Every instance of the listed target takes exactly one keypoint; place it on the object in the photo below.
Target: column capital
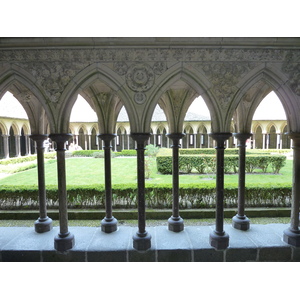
(39, 139)
(220, 138)
(295, 136)
(107, 137)
(242, 138)
(60, 139)
(140, 138)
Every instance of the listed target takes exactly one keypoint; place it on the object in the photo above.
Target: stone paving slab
(259, 243)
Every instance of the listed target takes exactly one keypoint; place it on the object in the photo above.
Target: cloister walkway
(259, 243)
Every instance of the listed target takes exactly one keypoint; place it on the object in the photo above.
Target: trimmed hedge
(206, 151)
(207, 163)
(157, 196)
(22, 159)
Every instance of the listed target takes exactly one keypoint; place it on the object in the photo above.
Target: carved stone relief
(291, 66)
(224, 77)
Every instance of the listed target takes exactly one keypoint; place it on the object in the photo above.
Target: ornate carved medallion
(140, 77)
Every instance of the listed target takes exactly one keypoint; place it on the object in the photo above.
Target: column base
(219, 242)
(175, 224)
(291, 237)
(64, 242)
(109, 225)
(142, 241)
(240, 222)
(43, 225)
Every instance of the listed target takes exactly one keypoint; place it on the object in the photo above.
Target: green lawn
(89, 171)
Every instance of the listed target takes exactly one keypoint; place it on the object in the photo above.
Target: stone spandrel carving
(224, 77)
(53, 77)
(291, 67)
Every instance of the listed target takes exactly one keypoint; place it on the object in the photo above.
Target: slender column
(240, 221)
(292, 234)
(219, 239)
(142, 239)
(6, 146)
(43, 223)
(175, 222)
(18, 145)
(109, 223)
(64, 240)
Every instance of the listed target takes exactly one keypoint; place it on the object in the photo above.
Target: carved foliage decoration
(224, 76)
(291, 66)
(53, 77)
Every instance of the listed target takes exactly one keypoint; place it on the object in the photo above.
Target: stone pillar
(109, 223)
(175, 222)
(264, 141)
(142, 239)
(18, 145)
(43, 223)
(6, 146)
(219, 239)
(292, 234)
(65, 240)
(240, 221)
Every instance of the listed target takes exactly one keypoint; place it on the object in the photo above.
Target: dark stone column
(240, 221)
(109, 223)
(142, 239)
(219, 239)
(43, 223)
(64, 240)
(292, 234)
(175, 222)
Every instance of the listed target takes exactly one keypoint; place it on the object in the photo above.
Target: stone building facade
(232, 75)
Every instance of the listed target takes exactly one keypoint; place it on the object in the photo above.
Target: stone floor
(259, 243)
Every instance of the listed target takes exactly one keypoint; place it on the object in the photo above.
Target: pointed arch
(86, 78)
(24, 88)
(254, 87)
(194, 80)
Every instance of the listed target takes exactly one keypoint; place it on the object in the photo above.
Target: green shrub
(277, 162)
(156, 196)
(84, 153)
(98, 154)
(127, 153)
(207, 163)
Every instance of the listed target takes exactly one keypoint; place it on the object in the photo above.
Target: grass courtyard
(90, 171)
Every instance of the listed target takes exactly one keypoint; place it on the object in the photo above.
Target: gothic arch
(22, 85)
(194, 80)
(95, 73)
(262, 81)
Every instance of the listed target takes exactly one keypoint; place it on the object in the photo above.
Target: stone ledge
(259, 243)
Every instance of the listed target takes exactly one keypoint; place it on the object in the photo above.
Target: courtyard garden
(266, 184)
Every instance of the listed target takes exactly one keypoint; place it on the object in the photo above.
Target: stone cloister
(232, 75)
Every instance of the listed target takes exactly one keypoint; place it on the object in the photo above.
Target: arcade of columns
(231, 74)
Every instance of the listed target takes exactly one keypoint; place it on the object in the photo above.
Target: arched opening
(197, 115)
(12, 143)
(94, 140)
(188, 140)
(23, 140)
(258, 138)
(12, 112)
(84, 116)
(123, 136)
(286, 141)
(269, 114)
(82, 143)
(159, 121)
(272, 138)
